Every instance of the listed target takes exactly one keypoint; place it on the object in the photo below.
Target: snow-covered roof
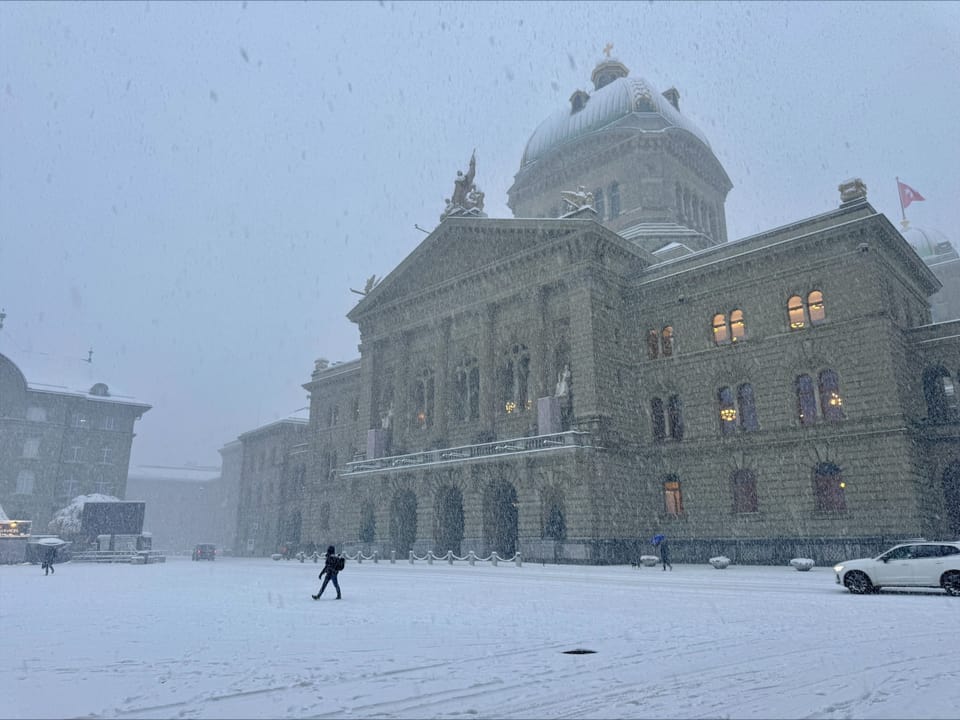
(623, 97)
(930, 244)
(45, 372)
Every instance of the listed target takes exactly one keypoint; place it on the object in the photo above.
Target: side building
(63, 433)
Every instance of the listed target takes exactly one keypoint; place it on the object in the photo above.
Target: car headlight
(838, 569)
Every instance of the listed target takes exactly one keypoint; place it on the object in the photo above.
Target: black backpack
(341, 562)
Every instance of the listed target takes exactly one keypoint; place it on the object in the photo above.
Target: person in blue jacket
(660, 541)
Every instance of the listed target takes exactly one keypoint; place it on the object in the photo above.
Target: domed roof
(927, 243)
(623, 97)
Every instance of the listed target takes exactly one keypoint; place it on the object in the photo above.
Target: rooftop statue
(577, 200)
(467, 198)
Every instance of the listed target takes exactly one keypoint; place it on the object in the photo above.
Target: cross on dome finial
(607, 48)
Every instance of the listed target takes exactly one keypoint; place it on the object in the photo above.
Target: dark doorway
(500, 517)
(449, 520)
(403, 521)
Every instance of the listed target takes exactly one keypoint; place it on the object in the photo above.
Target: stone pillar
(582, 351)
(488, 370)
(443, 403)
(548, 415)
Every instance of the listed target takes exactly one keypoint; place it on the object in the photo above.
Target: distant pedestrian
(660, 542)
(332, 565)
(49, 555)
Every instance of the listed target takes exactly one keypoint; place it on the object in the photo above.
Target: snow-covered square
(242, 638)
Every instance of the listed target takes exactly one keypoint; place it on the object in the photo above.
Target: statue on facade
(372, 282)
(467, 199)
(563, 383)
(577, 200)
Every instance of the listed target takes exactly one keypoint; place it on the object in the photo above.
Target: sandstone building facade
(568, 386)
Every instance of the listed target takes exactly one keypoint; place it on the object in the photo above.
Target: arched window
(675, 415)
(806, 400)
(515, 375)
(831, 403)
(728, 411)
(672, 496)
(658, 420)
(940, 394)
(829, 488)
(721, 334)
(815, 307)
(738, 328)
(667, 337)
(744, 486)
(423, 396)
(614, 200)
(748, 408)
(653, 345)
(467, 389)
(796, 313)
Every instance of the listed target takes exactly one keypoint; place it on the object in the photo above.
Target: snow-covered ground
(242, 638)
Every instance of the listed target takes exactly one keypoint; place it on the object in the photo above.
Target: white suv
(915, 564)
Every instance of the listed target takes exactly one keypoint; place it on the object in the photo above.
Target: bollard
(376, 557)
(450, 557)
(519, 560)
(429, 557)
(411, 557)
(393, 556)
(472, 557)
(493, 558)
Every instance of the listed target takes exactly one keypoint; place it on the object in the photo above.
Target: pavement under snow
(242, 638)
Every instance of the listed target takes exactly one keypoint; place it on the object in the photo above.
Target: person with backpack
(332, 565)
(660, 541)
(49, 555)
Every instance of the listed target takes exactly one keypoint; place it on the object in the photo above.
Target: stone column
(488, 369)
(442, 401)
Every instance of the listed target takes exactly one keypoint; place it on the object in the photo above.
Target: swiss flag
(907, 195)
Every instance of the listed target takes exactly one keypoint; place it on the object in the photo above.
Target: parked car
(205, 551)
(914, 564)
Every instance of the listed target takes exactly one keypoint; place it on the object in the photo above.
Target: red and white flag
(907, 195)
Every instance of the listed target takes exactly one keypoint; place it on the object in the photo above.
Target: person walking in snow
(660, 542)
(331, 568)
(49, 555)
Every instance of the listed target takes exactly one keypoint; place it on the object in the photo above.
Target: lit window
(667, 336)
(738, 329)
(423, 396)
(515, 375)
(79, 420)
(815, 306)
(829, 488)
(796, 313)
(831, 403)
(721, 334)
(806, 400)
(728, 411)
(672, 497)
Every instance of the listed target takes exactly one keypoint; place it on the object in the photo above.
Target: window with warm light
(672, 496)
(728, 411)
(831, 402)
(815, 307)
(515, 374)
(796, 313)
(738, 328)
(721, 333)
(423, 398)
(829, 488)
(666, 336)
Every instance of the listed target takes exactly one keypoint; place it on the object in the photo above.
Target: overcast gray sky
(191, 189)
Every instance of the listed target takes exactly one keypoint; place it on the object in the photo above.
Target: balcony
(465, 453)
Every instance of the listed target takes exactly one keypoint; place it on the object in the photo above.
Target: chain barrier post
(519, 560)
(471, 557)
(393, 557)
(450, 557)
(411, 557)
(493, 558)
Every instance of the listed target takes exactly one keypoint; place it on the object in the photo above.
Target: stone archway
(448, 525)
(951, 496)
(500, 517)
(403, 521)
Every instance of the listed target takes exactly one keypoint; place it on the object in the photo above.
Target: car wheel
(951, 583)
(857, 582)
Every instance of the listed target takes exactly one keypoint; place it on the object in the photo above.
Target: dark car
(205, 551)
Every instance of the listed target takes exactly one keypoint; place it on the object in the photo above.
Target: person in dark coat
(660, 541)
(330, 570)
(49, 555)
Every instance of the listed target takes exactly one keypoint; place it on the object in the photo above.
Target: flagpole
(904, 222)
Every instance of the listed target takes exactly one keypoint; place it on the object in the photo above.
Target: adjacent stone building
(567, 384)
(63, 433)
